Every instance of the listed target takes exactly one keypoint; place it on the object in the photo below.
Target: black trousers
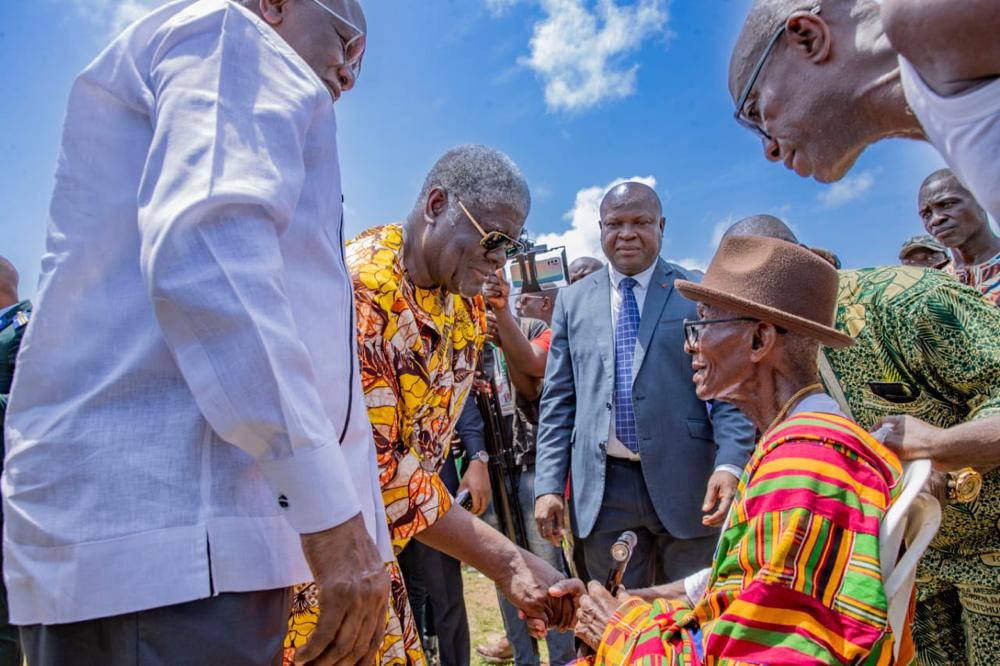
(659, 557)
(434, 585)
(246, 628)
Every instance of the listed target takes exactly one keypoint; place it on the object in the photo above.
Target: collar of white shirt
(642, 278)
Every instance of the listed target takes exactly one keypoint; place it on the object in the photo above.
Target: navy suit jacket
(680, 445)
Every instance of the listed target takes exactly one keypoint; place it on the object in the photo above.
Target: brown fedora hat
(773, 281)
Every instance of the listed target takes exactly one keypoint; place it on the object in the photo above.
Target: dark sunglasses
(492, 240)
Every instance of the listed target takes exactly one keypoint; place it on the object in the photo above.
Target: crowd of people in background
(245, 444)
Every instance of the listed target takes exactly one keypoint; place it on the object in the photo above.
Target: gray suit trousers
(246, 628)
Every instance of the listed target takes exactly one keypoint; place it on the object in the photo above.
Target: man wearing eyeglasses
(191, 374)
(820, 81)
(420, 326)
(928, 347)
(619, 411)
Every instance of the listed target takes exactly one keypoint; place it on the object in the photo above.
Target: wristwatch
(964, 485)
(482, 457)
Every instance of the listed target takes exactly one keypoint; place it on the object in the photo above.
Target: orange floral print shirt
(418, 350)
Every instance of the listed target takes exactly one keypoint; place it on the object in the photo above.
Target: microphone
(621, 553)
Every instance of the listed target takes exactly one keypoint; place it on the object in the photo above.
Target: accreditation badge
(504, 389)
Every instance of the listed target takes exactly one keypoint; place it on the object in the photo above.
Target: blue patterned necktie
(626, 329)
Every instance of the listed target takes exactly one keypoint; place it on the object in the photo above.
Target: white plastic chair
(912, 519)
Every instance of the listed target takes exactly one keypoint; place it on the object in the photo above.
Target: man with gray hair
(421, 325)
(189, 373)
(819, 82)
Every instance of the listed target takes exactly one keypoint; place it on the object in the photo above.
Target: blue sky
(579, 93)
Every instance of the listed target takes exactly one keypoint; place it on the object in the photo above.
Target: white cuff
(313, 488)
(696, 584)
(732, 469)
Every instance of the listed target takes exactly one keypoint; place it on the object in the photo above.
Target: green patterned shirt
(921, 327)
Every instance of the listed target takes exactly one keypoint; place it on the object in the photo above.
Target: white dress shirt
(187, 398)
(696, 584)
(616, 449)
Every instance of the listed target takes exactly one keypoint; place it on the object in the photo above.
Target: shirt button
(282, 501)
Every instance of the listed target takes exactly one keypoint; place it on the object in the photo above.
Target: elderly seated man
(796, 577)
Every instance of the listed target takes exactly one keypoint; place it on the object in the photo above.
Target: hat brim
(828, 336)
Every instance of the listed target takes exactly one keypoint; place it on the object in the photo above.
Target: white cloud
(114, 15)
(578, 53)
(500, 7)
(691, 263)
(719, 229)
(847, 190)
(583, 238)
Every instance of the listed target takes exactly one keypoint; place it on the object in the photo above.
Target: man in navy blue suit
(619, 413)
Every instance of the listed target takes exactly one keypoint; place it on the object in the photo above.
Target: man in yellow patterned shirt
(421, 325)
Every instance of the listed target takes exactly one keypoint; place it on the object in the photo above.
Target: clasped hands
(586, 609)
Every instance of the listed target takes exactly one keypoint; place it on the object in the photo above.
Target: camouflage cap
(921, 240)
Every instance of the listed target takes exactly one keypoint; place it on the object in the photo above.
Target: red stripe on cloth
(828, 507)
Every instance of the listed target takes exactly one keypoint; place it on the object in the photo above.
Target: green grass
(481, 605)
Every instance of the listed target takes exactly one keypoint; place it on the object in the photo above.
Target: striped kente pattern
(796, 577)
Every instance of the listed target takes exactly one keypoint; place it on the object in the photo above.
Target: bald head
(582, 267)
(767, 226)
(632, 194)
(767, 16)
(8, 283)
(942, 176)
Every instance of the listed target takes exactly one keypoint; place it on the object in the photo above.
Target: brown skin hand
(952, 43)
(441, 246)
(631, 227)
(951, 214)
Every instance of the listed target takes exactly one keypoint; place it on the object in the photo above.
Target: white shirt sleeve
(696, 584)
(221, 182)
(732, 469)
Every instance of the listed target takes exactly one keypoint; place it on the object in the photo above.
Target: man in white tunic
(187, 435)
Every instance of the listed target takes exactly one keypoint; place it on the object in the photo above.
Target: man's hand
(570, 590)
(496, 291)
(527, 585)
(594, 614)
(721, 491)
(477, 480)
(909, 437)
(937, 486)
(353, 595)
(549, 510)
